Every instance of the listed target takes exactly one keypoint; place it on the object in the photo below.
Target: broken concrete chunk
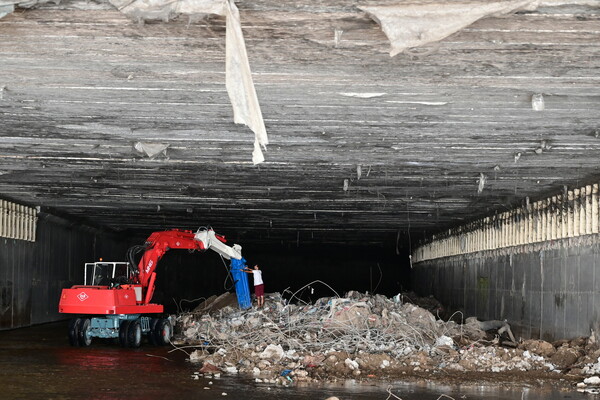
(208, 368)
(272, 352)
(592, 380)
(444, 341)
(539, 347)
(564, 357)
(351, 364)
(195, 356)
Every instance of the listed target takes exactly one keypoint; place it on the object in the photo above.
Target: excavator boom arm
(158, 243)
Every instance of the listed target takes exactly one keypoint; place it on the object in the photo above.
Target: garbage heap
(358, 335)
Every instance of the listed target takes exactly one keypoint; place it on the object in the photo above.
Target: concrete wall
(549, 292)
(32, 274)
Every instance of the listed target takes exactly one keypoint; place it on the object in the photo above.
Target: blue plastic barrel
(242, 289)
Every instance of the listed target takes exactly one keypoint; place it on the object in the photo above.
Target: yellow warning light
(100, 258)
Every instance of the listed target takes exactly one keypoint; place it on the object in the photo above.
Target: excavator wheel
(134, 334)
(123, 329)
(151, 335)
(163, 332)
(84, 332)
(74, 331)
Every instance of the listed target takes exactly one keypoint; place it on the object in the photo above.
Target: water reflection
(37, 363)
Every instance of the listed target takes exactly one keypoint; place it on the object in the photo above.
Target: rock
(467, 365)
(196, 356)
(347, 314)
(313, 361)
(539, 347)
(455, 367)
(351, 364)
(576, 371)
(208, 368)
(300, 373)
(593, 380)
(221, 351)
(444, 341)
(272, 352)
(564, 357)
(422, 358)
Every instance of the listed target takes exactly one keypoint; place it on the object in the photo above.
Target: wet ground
(38, 363)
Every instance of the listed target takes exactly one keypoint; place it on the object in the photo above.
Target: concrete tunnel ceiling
(128, 125)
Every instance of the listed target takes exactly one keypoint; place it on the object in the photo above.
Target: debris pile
(360, 335)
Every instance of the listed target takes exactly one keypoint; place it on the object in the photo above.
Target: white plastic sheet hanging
(416, 23)
(240, 86)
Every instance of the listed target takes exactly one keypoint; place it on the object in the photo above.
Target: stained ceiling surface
(128, 125)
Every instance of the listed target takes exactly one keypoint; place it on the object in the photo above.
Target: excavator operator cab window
(107, 273)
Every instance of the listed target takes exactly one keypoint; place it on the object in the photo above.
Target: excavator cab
(107, 274)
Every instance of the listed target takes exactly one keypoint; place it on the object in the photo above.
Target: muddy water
(37, 363)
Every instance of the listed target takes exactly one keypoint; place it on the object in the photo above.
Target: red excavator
(115, 296)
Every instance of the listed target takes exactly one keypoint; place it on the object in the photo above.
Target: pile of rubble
(362, 336)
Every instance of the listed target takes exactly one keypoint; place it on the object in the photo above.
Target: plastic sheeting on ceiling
(240, 87)
(416, 23)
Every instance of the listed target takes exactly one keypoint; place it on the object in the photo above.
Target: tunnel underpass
(444, 149)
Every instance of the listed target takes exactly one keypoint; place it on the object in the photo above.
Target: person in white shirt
(259, 286)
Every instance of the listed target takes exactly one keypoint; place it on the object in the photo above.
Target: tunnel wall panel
(32, 274)
(548, 293)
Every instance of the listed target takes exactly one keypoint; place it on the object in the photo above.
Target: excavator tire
(134, 334)
(163, 332)
(84, 327)
(74, 331)
(123, 329)
(151, 335)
